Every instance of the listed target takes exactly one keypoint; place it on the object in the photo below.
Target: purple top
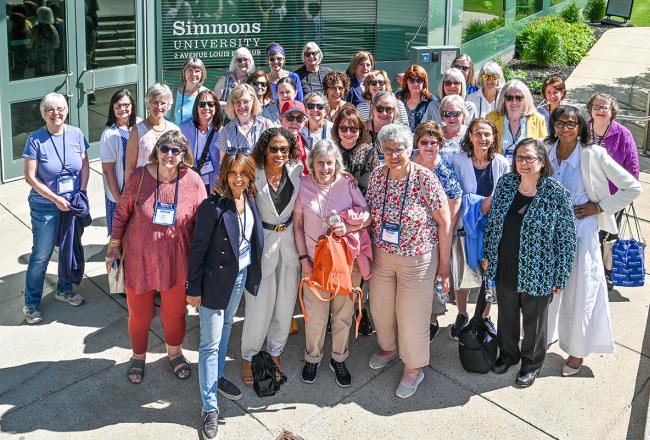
(620, 145)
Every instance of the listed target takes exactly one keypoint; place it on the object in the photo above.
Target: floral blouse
(419, 231)
(448, 180)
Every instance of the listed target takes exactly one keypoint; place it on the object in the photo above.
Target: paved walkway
(66, 377)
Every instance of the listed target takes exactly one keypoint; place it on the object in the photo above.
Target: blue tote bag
(628, 268)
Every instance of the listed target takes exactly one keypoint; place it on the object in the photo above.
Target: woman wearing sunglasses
(193, 76)
(202, 133)
(415, 94)
(515, 117)
(260, 82)
(294, 119)
(268, 315)
(285, 92)
(317, 127)
(452, 83)
(463, 62)
(530, 242)
(241, 65)
(275, 55)
(490, 81)
(152, 229)
(453, 114)
(378, 81)
(311, 73)
(384, 112)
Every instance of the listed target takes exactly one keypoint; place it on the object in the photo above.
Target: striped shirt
(231, 136)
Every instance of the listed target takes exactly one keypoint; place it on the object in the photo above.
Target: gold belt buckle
(280, 228)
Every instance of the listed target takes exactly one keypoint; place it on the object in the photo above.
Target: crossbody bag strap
(206, 150)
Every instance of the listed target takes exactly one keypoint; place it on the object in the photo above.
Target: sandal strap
(178, 361)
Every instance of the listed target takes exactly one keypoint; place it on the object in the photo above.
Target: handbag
(116, 271)
(464, 277)
(477, 344)
(264, 371)
(628, 268)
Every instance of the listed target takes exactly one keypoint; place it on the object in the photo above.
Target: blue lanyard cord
(178, 177)
(406, 190)
(63, 167)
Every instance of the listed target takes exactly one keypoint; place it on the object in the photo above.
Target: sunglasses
(231, 151)
(204, 104)
(315, 106)
(281, 150)
(274, 59)
(166, 149)
(376, 82)
(294, 118)
(452, 83)
(493, 77)
(527, 159)
(517, 98)
(259, 84)
(459, 67)
(415, 80)
(569, 124)
(386, 110)
(347, 128)
(311, 54)
(454, 113)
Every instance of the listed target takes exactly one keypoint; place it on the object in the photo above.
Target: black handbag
(264, 368)
(477, 345)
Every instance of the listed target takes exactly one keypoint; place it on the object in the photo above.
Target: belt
(277, 228)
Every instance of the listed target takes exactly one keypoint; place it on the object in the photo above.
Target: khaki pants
(318, 311)
(401, 297)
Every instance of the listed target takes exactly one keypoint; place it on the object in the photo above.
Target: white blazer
(462, 165)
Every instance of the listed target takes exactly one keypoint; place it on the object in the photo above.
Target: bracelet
(303, 257)
(115, 241)
(598, 208)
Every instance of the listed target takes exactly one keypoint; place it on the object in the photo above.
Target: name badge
(390, 233)
(164, 214)
(208, 166)
(244, 256)
(64, 184)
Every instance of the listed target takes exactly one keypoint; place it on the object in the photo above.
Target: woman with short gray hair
(384, 112)
(241, 66)
(311, 73)
(454, 115)
(411, 248)
(147, 132)
(452, 83)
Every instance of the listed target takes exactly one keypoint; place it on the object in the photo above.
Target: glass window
(26, 118)
(481, 17)
(98, 106)
(37, 42)
(528, 7)
(110, 34)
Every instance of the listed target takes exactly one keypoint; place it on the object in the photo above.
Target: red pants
(172, 315)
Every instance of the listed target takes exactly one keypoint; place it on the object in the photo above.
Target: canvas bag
(628, 265)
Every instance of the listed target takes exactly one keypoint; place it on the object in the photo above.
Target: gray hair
(52, 100)
(398, 133)
(454, 74)
(310, 95)
(315, 47)
(491, 68)
(156, 91)
(457, 101)
(528, 104)
(385, 94)
(241, 52)
(322, 148)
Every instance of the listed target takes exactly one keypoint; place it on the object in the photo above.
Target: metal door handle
(89, 92)
(68, 93)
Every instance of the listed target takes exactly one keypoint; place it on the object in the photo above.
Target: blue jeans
(216, 326)
(45, 228)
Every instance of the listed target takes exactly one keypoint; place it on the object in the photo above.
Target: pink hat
(293, 106)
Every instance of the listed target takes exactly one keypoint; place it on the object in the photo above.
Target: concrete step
(115, 42)
(116, 34)
(112, 61)
(115, 51)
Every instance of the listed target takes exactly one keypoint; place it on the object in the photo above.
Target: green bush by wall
(594, 10)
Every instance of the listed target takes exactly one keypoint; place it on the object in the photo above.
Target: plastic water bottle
(443, 297)
(490, 291)
(334, 218)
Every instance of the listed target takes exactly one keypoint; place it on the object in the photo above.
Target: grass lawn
(492, 7)
(641, 13)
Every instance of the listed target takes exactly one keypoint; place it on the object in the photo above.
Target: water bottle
(334, 218)
(490, 291)
(443, 297)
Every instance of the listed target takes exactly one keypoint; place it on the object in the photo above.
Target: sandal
(280, 377)
(136, 369)
(247, 373)
(180, 367)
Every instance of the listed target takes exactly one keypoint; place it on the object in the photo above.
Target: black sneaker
(365, 325)
(343, 378)
(461, 322)
(490, 326)
(210, 424)
(228, 389)
(434, 327)
(309, 372)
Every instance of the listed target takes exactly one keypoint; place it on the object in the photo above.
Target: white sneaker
(404, 390)
(72, 298)
(32, 316)
(377, 362)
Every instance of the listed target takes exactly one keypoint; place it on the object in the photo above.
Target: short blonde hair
(191, 63)
(52, 100)
(373, 74)
(452, 74)
(237, 94)
(529, 105)
(158, 90)
(457, 101)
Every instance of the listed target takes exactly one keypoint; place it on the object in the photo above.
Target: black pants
(534, 310)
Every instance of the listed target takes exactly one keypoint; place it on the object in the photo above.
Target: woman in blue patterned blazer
(530, 243)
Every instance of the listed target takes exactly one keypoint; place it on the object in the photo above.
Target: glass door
(83, 49)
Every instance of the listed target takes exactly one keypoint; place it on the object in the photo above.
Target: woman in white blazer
(579, 317)
(268, 315)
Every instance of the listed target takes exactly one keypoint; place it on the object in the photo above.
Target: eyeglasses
(604, 108)
(415, 80)
(276, 59)
(527, 159)
(454, 113)
(126, 105)
(242, 60)
(459, 67)
(311, 106)
(294, 118)
(452, 83)
(517, 98)
(393, 151)
(56, 109)
(386, 110)
(493, 77)
(311, 54)
(422, 143)
(166, 149)
(204, 104)
(568, 124)
(377, 82)
(281, 150)
(348, 128)
(259, 84)
(231, 151)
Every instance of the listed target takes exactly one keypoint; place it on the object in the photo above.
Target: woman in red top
(153, 224)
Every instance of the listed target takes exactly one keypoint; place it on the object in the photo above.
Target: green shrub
(594, 10)
(571, 13)
(535, 87)
(476, 28)
(544, 47)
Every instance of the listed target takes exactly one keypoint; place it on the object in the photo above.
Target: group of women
(228, 198)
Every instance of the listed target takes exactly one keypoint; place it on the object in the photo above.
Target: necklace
(327, 203)
(153, 127)
(274, 179)
(525, 191)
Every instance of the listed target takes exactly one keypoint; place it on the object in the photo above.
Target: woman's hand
(340, 229)
(443, 271)
(62, 204)
(586, 209)
(114, 253)
(485, 205)
(194, 301)
(485, 264)
(353, 180)
(307, 268)
(556, 290)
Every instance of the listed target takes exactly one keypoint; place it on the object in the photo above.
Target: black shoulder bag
(477, 345)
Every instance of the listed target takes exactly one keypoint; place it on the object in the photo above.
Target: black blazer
(214, 252)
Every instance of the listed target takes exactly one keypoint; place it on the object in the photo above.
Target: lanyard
(242, 225)
(178, 177)
(406, 190)
(207, 141)
(182, 104)
(63, 167)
